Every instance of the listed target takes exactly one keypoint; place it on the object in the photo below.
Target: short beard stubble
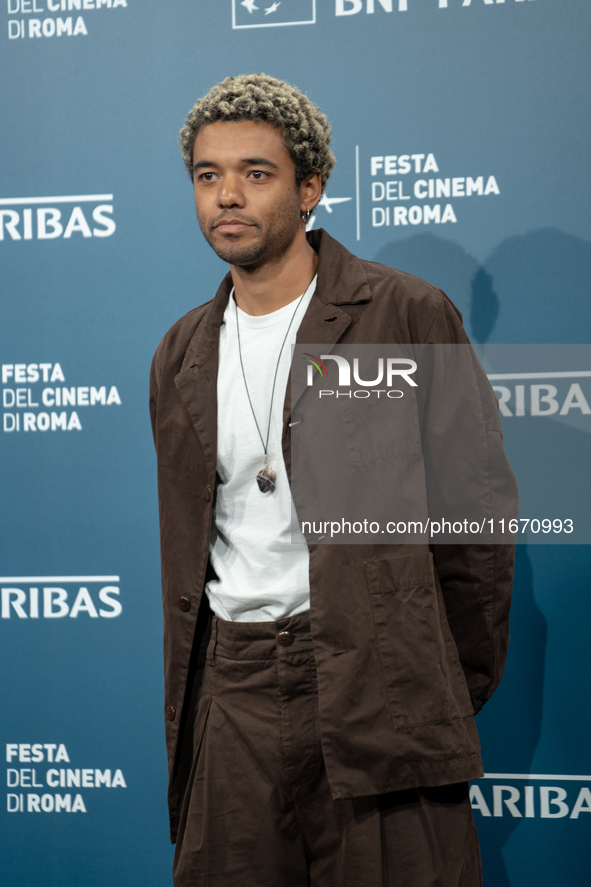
(270, 246)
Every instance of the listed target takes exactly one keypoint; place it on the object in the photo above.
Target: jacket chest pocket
(380, 427)
(421, 667)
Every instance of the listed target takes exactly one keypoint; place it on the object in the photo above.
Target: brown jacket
(409, 640)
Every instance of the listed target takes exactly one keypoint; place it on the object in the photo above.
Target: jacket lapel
(324, 324)
(197, 381)
(341, 281)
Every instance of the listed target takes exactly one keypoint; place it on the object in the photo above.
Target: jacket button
(184, 604)
(285, 638)
(208, 493)
(171, 713)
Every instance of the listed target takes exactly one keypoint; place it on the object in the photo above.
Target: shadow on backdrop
(484, 306)
(542, 282)
(510, 724)
(441, 262)
(532, 288)
(528, 290)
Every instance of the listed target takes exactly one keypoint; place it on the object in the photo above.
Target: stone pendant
(266, 480)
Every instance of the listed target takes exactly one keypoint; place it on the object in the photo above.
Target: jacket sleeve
(476, 579)
(476, 582)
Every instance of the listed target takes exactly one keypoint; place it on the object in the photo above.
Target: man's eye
(207, 176)
(258, 174)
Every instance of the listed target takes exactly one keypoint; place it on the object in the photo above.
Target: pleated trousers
(258, 811)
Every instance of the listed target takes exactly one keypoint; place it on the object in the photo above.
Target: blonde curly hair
(258, 97)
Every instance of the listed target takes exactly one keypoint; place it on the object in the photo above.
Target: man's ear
(310, 191)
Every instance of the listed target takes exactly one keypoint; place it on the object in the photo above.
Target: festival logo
(34, 398)
(37, 19)
(54, 783)
(411, 189)
(405, 191)
(272, 13)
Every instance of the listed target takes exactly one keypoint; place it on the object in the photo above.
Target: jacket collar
(341, 277)
(342, 281)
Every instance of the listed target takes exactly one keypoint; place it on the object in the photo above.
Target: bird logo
(270, 13)
(250, 6)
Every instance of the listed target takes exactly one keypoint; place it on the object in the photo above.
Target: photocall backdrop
(461, 136)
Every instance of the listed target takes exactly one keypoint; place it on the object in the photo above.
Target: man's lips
(232, 226)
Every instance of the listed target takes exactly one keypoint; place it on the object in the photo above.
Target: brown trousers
(258, 811)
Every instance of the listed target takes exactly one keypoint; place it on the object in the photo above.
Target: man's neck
(272, 286)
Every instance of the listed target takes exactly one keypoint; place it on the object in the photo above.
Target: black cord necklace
(266, 478)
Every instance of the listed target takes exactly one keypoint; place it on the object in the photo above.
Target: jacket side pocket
(421, 667)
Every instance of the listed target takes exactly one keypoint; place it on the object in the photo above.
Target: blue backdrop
(461, 135)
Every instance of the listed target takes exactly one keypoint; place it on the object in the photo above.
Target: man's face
(247, 202)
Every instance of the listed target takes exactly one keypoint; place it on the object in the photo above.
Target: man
(319, 698)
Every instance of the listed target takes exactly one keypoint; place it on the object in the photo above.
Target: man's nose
(230, 194)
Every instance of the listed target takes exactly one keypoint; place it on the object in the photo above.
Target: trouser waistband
(260, 640)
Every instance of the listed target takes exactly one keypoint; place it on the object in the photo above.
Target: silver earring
(306, 216)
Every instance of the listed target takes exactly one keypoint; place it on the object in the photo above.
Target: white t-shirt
(263, 575)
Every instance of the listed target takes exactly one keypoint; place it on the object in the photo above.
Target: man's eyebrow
(248, 161)
(259, 161)
(201, 164)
